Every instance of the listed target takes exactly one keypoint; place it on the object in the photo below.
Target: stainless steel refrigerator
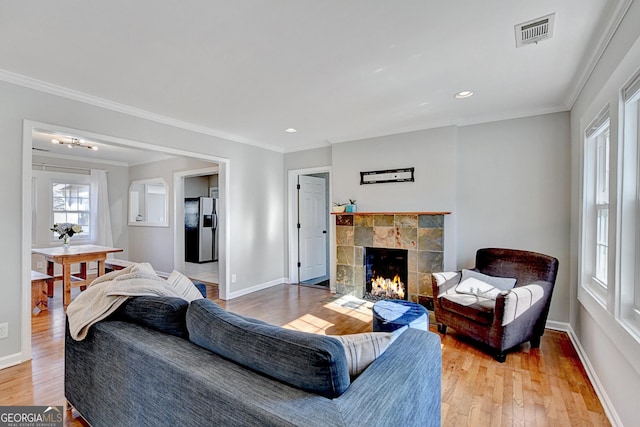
(200, 229)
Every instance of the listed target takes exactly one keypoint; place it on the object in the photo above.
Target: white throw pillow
(183, 286)
(363, 349)
(478, 288)
(482, 285)
(502, 283)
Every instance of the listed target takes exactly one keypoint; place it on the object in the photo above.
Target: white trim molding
(256, 288)
(13, 359)
(609, 409)
(620, 10)
(557, 326)
(42, 86)
(292, 203)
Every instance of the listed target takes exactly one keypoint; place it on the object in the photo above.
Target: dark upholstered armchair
(503, 316)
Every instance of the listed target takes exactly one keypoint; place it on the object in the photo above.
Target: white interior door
(312, 231)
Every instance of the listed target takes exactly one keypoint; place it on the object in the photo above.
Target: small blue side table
(389, 315)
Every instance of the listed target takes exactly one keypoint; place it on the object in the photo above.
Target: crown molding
(42, 86)
(602, 43)
(476, 120)
(321, 144)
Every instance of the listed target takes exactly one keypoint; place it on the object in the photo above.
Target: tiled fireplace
(420, 234)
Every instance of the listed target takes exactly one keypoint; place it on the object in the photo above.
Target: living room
(510, 180)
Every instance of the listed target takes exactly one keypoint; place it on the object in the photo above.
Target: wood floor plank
(534, 387)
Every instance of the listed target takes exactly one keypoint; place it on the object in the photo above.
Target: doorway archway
(29, 127)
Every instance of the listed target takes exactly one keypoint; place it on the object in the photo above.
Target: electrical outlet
(4, 330)
(233, 278)
(39, 264)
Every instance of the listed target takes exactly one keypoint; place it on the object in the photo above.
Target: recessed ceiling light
(291, 130)
(463, 94)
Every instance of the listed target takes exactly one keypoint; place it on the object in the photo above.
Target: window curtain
(101, 232)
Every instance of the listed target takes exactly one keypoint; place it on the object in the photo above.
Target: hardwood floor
(535, 387)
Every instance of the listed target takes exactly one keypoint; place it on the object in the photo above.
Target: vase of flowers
(65, 231)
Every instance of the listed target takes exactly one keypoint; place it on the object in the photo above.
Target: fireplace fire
(386, 273)
(387, 288)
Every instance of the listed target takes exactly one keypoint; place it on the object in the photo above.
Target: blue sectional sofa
(161, 361)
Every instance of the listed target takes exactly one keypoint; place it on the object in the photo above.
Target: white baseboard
(12, 360)
(557, 326)
(609, 409)
(255, 288)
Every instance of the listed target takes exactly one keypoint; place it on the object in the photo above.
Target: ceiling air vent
(531, 32)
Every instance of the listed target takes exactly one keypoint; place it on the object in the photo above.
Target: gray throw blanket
(108, 292)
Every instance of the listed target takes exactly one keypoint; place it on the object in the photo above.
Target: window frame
(85, 236)
(628, 264)
(597, 137)
(601, 204)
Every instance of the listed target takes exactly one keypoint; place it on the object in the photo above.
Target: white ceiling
(336, 70)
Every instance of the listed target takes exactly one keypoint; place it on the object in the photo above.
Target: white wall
(433, 154)
(612, 352)
(197, 186)
(317, 157)
(514, 190)
(255, 177)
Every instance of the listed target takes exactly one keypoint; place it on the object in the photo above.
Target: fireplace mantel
(420, 233)
(390, 213)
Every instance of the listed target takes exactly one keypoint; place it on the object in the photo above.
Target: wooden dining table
(68, 256)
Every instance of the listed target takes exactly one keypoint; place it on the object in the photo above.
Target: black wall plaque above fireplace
(386, 273)
(388, 175)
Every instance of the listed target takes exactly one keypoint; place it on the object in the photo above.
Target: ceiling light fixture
(73, 143)
(291, 130)
(463, 94)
